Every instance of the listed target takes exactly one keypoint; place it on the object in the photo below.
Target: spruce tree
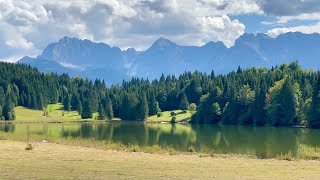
(67, 103)
(314, 113)
(79, 106)
(109, 110)
(184, 104)
(1, 115)
(8, 109)
(143, 108)
(154, 106)
(74, 102)
(2, 96)
(86, 110)
(101, 113)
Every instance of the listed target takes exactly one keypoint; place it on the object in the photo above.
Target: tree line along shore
(285, 95)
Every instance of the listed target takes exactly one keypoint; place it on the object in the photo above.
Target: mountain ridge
(99, 60)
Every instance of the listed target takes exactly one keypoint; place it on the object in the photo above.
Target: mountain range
(98, 60)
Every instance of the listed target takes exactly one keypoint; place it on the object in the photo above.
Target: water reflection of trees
(7, 128)
(166, 135)
(259, 141)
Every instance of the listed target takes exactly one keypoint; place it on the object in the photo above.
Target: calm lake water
(259, 141)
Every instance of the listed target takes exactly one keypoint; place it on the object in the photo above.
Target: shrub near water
(288, 156)
(309, 153)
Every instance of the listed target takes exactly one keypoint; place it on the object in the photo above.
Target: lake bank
(58, 161)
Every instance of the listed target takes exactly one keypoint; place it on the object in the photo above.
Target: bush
(192, 107)
(287, 157)
(159, 114)
(173, 113)
(309, 152)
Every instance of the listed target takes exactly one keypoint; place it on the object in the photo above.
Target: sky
(28, 26)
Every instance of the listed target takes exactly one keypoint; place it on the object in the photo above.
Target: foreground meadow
(56, 161)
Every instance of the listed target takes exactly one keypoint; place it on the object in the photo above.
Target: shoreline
(127, 121)
(305, 152)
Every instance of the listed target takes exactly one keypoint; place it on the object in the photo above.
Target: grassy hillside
(55, 113)
(166, 116)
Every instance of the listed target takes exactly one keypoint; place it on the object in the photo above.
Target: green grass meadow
(166, 116)
(55, 113)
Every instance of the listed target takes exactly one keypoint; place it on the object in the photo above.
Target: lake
(259, 141)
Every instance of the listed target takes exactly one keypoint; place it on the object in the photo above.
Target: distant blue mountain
(98, 60)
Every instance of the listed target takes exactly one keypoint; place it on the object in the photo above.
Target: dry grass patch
(56, 161)
(308, 152)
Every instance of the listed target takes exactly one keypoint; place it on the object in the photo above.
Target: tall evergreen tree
(153, 106)
(79, 107)
(86, 110)
(67, 103)
(314, 113)
(143, 109)
(8, 109)
(101, 113)
(184, 104)
(109, 110)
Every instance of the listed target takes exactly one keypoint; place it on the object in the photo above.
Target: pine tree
(154, 106)
(67, 103)
(86, 110)
(314, 113)
(184, 104)
(74, 102)
(1, 115)
(2, 96)
(40, 102)
(8, 109)
(101, 113)
(109, 110)
(129, 110)
(79, 107)
(143, 108)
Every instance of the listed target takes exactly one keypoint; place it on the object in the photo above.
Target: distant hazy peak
(215, 44)
(163, 43)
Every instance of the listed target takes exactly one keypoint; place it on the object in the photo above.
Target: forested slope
(282, 96)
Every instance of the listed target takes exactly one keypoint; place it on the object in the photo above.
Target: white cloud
(26, 27)
(19, 44)
(304, 16)
(221, 29)
(315, 28)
